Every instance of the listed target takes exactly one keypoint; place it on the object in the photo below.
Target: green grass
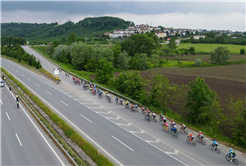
(207, 48)
(69, 131)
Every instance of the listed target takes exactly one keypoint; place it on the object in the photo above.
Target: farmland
(207, 48)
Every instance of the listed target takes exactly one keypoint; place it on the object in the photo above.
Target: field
(207, 48)
(204, 57)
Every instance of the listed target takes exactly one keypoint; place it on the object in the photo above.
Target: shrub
(198, 62)
(167, 50)
(242, 51)
(162, 61)
(49, 48)
(151, 66)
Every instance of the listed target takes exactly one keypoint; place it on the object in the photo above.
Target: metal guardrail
(103, 88)
(41, 122)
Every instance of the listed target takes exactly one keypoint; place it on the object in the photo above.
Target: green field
(207, 48)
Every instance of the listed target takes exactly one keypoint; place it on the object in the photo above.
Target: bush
(151, 66)
(167, 50)
(198, 62)
(242, 51)
(49, 48)
(162, 61)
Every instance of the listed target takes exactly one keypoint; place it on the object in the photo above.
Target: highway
(23, 141)
(110, 127)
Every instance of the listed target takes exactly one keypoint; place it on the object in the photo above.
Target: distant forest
(85, 28)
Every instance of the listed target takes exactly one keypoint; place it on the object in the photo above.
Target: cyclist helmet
(230, 149)
(149, 111)
(214, 140)
(190, 132)
(200, 132)
(174, 126)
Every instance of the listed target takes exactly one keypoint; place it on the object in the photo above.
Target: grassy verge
(68, 131)
(25, 64)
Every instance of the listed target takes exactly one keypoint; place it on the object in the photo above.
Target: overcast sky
(182, 14)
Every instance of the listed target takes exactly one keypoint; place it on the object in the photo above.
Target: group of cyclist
(148, 115)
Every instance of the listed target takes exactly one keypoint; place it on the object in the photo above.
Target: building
(197, 37)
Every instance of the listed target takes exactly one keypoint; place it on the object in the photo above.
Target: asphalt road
(23, 142)
(143, 133)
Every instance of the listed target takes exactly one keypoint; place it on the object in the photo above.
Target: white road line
(7, 116)
(64, 103)
(113, 118)
(29, 79)
(1, 102)
(38, 85)
(69, 122)
(48, 92)
(37, 127)
(86, 118)
(22, 75)
(120, 124)
(17, 71)
(104, 112)
(123, 143)
(18, 139)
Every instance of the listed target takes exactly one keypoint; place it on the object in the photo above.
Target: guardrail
(44, 126)
(101, 87)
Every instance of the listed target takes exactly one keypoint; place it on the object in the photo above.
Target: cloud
(227, 21)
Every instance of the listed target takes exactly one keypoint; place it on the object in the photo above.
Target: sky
(193, 14)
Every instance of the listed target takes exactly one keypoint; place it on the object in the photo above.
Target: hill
(48, 32)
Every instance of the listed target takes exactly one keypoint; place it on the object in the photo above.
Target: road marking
(35, 125)
(38, 85)
(49, 92)
(18, 139)
(104, 112)
(113, 118)
(86, 118)
(29, 79)
(7, 116)
(1, 102)
(64, 103)
(120, 124)
(175, 152)
(69, 122)
(22, 75)
(17, 71)
(123, 143)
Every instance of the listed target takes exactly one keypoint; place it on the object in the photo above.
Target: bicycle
(165, 128)
(190, 142)
(109, 99)
(126, 106)
(202, 141)
(183, 131)
(175, 135)
(228, 158)
(133, 110)
(216, 149)
(154, 119)
(147, 118)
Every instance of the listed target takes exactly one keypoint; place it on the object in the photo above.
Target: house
(197, 37)
(234, 37)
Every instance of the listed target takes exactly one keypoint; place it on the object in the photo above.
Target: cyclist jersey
(214, 142)
(174, 129)
(190, 135)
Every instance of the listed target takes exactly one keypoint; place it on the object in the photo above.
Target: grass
(207, 48)
(68, 131)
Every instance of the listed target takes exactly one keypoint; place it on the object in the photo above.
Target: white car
(2, 83)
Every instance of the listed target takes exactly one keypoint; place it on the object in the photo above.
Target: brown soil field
(204, 57)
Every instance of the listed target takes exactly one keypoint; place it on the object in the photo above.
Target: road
(23, 140)
(145, 134)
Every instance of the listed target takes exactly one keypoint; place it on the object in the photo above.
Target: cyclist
(153, 116)
(17, 98)
(200, 135)
(191, 137)
(172, 123)
(183, 127)
(174, 130)
(107, 96)
(126, 103)
(121, 100)
(90, 89)
(116, 99)
(232, 154)
(165, 125)
(109, 99)
(17, 104)
(215, 144)
(147, 114)
(132, 106)
(143, 109)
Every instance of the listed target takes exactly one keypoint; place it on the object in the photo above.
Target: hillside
(48, 32)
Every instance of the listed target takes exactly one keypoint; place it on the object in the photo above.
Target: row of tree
(6, 40)
(17, 52)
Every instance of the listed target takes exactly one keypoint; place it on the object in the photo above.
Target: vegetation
(220, 55)
(8, 40)
(242, 51)
(45, 33)
(18, 53)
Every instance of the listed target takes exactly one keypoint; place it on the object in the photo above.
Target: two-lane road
(23, 140)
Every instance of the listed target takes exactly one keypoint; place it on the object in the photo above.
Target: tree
(116, 49)
(49, 48)
(55, 43)
(108, 54)
(220, 55)
(162, 90)
(63, 40)
(192, 50)
(123, 60)
(138, 43)
(71, 38)
(242, 51)
(199, 101)
(80, 55)
(105, 71)
(155, 59)
(142, 61)
(219, 39)
(58, 52)
(172, 43)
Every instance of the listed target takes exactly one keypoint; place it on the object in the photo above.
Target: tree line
(17, 52)
(12, 40)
